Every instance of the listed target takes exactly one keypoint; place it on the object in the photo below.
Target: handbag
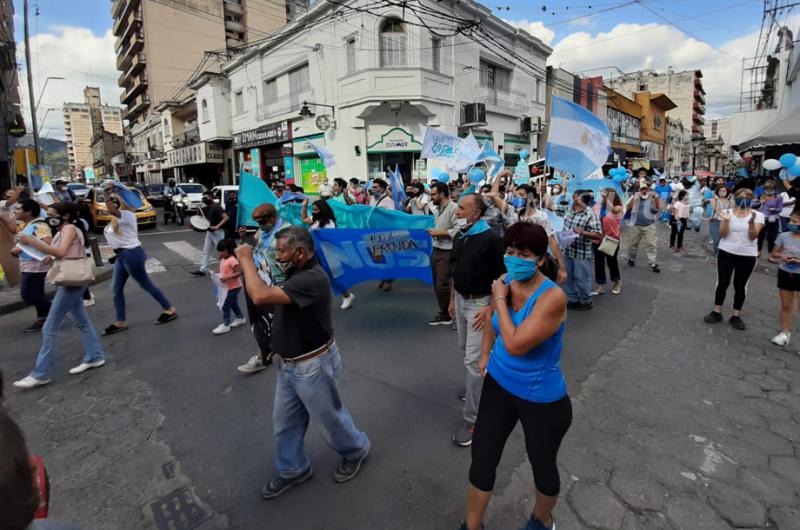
(609, 245)
(71, 272)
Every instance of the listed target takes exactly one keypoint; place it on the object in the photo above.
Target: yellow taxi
(145, 214)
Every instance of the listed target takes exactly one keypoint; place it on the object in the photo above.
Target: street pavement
(677, 424)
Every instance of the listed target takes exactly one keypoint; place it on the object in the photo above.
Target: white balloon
(771, 164)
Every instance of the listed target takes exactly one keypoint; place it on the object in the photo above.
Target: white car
(190, 197)
(221, 193)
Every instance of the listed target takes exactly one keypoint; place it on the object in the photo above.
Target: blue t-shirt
(663, 192)
(535, 376)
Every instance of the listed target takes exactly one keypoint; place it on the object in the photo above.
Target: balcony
(234, 7)
(699, 96)
(699, 107)
(510, 99)
(136, 108)
(137, 63)
(233, 25)
(134, 24)
(187, 137)
(139, 85)
(126, 54)
(290, 103)
(231, 42)
(698, 119)
(405, 83)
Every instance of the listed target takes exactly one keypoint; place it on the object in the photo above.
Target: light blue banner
(352, 256)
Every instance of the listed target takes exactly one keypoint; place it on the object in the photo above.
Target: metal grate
(178, 511)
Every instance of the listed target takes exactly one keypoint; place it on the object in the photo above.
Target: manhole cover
(178, 511)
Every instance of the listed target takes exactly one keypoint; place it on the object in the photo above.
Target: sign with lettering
(395, 139)
(268, 134)
(199, 153)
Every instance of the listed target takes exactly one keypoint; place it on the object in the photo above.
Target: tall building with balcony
(11, 122)
(685, 89)
(160, 42)
(82, 121)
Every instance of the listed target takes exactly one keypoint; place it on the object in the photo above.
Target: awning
(782, 132)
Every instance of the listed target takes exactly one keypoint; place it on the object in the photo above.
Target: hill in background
(55, 152)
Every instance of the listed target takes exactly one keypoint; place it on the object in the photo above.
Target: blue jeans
(713, 229)
(31, 290)
(310, 388)
(579, 279)
(231, 304)
(68, 300)
(130, 263)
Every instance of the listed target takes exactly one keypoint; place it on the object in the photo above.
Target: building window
(350, 47)
(204, 110)
(495, 77)
(393, 44)
(538, 90)
(270, 90)
(657, 122)
(713, 129)
(238, 102)
(299, 84)
(642, 88)
(436, 54)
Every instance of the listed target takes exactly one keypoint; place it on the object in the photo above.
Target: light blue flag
(578, 142)
(362, 216)
(252, 192)
(398, 188)
(130, 197)
(324, 154)
(352, 256)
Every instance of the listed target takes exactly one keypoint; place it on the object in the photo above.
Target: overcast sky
(72, 39)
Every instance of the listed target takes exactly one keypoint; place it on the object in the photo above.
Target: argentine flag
(578, 142)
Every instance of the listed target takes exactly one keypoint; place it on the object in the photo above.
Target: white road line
(152, 265)
(163, 232)
(187, 250)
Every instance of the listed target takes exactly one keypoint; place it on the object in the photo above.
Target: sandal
(165, 317)
(113, 328)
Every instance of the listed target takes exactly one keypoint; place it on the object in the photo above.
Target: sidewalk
(683, 424)
(10, 300)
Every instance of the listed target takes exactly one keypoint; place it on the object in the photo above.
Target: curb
(102, 274)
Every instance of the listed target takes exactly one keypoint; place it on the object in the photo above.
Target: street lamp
(43, 88)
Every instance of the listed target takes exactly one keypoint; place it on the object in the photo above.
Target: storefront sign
(268, 134)
(395, 140)
(200, 153)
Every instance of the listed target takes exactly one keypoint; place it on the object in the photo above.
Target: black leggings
(740, 267)
(544, 425)
(676, 234)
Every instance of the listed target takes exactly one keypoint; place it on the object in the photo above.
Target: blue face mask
(518, 202)
(744, 202)
(519, 269)
(794, 227)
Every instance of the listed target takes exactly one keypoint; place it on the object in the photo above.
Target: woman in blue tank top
(522, 377)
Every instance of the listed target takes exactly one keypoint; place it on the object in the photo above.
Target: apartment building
(685, 89)
(11, 122)
(82, 121)
(160, 43)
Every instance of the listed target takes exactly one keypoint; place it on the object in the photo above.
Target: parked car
(80, 190)
(221, 193)
(190, 197)
(100, 217)
(155, 193)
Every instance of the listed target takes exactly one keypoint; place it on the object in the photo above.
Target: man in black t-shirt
(217, 218)
(302, 336)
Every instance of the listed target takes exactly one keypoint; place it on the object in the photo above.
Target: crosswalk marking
(187, 251)
(152, 265)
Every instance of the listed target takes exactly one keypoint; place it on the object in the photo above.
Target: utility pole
(31, 99)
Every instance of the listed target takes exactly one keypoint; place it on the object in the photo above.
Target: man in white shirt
(788, 207)
(380, 195)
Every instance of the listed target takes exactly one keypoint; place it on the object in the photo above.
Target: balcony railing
(187, 137)
(282, 105)
(234, 7)
(507, 99)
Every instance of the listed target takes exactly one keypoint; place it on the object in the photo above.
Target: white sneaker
(219, 330)
(252, 366)
(781, 339)
(90, 302)
(30, 382)
(347, 301)
(87, 366)
(238, 322)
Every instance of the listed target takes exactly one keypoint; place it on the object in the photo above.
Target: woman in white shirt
(322, 216)
(738, 254)
(680, 217)
(122, 235)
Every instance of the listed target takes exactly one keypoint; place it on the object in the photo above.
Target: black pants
(260, 317)
(31, 290)
(544, 424)
(736, 266)
(770, 233)
(676, 234)
(440, 265)
(601, 259)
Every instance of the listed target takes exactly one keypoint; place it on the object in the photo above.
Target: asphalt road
(400, 380)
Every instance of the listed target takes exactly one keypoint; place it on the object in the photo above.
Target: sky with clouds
(72, 39)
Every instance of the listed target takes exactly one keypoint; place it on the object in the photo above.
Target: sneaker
(631, 263)
(536, 524)
(348, 469)
(781, 339)
(598, 291)
(30, 382)
(737, 323)
(253, 365)
(90, 302)
(238, 322)
(462, 395)
(87, 366)
(347, 301)
(582, 307)
(36, 326)
(617, 287)
(571, 305)
(279, 484)
(655, 268)
(221, 329)
(440, 320)
(713, 317)
(463, 436)
(673, 249)
(198, 272)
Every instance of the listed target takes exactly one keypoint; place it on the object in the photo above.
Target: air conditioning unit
(474, 114)
(529, 125)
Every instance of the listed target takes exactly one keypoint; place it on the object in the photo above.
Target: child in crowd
(230, 275)
(786, 253)
(680, 217)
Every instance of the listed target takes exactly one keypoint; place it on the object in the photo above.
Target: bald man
(264, 257)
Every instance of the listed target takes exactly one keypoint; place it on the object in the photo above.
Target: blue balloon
(523, 154)
(788, 160)
(476, 175)
(794, 171)
(619, 178)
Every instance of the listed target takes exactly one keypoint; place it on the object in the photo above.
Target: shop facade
(266, 152)
(202, 162)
